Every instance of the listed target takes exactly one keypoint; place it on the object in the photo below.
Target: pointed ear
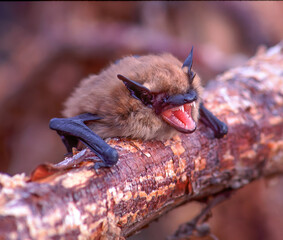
(137, 90)
(189, 63)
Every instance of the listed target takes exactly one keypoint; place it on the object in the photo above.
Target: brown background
(47, 47)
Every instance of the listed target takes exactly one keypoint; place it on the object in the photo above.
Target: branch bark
(153, 177)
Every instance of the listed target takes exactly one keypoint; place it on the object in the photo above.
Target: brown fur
(107, 96)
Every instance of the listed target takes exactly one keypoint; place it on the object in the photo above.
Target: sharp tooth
(181, 108)
(194, 104)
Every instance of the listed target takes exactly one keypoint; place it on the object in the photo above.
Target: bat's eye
(165, 99)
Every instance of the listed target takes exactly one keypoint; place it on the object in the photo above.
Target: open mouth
(181, 117)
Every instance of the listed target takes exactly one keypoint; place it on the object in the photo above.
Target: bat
(140, 97)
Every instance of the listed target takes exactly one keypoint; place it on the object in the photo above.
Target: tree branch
(153, 177)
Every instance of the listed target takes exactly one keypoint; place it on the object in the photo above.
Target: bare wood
(153, 177)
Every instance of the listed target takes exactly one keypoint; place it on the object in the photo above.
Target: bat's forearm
(218, 127)
(73, 129)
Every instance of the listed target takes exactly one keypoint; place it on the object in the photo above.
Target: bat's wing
(219, 128)
(73, 129)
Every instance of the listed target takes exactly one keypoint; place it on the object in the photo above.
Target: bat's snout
(191, 96)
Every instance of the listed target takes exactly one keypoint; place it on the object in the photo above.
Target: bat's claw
(109, 159)
(222, 130)
(98, 165)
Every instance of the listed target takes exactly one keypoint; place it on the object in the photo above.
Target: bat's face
(178, 104)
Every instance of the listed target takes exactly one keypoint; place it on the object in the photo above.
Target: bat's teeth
(181, 108)
(194, 104)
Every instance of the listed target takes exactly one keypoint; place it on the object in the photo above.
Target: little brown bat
(140, 97)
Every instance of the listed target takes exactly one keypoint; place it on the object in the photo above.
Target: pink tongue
(180, 118)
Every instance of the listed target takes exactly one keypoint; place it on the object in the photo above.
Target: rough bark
(153, 177)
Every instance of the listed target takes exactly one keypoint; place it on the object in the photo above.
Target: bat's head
(173, 95)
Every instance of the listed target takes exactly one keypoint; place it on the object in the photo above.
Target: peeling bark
(153, 177)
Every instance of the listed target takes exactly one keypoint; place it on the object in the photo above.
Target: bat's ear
(188, 64)
(137, 90)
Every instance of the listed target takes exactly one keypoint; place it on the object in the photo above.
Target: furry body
(122, 115)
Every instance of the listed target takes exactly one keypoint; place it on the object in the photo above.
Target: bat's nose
(180, 99)
(190, 96)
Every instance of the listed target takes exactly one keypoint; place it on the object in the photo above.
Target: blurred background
(46, 48)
